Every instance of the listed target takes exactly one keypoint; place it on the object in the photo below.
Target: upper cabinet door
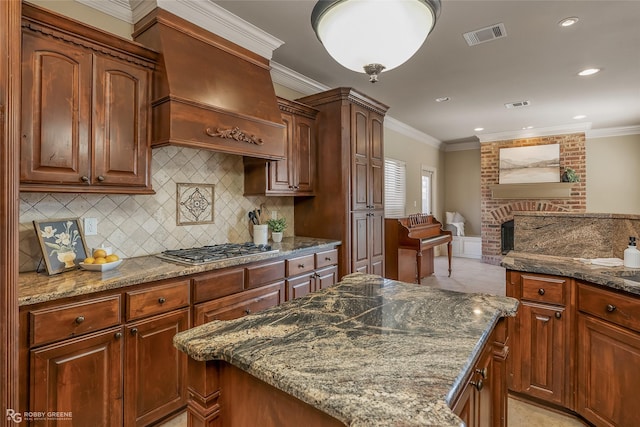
(281, 171)
(56, 106)
(121, 150)
(376, 160)
(360, 148)
(305, 155)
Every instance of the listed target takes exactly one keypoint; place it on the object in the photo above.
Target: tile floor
(471, 275)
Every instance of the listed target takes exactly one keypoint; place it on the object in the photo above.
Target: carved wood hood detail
(208, 92)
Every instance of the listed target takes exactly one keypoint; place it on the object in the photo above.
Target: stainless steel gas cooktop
(205, 254)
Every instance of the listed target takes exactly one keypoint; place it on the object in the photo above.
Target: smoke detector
(517, 104)
(487, 34)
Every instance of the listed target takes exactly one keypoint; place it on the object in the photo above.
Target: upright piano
(409, 244)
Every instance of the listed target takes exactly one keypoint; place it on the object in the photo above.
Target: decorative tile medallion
(194, 204)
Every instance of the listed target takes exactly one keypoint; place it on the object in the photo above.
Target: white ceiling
(538, 61)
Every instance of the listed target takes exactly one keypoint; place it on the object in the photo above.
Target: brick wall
(496, 211)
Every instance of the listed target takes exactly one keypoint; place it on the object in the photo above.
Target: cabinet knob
(134, 331)
(541, 291)
(85, 178)
(482, 372)
(79, 319)
(100, 178)
(247, 311)
(300, 265)
(291, 187)
(478, 385)
(117, 335)
(162, 300)
(558, 315)
(327, 258)
(611, 308)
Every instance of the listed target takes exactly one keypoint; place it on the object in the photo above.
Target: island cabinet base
(221, 395)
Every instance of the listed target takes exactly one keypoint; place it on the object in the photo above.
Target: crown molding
(619, 131)
(295, 81)
(411, 132)
(462, 146)
(204, 13)
(534, 133)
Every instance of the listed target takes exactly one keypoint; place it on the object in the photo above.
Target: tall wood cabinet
(349, 200)
(85, 108)
(295, 175)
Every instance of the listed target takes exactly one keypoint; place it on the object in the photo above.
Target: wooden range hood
(208, 92)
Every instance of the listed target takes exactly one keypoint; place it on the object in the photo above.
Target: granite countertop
(368, 351)
(612, 277)
(39, 287)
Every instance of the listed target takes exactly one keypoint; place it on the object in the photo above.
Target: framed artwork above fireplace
(536, 163)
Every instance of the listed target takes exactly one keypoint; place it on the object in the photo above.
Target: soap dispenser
(632, 254)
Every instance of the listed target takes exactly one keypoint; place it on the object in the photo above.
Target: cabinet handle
(327, 258)
(162, 300)
(100, 178)
(134, 331)
(611, 308)
(478, 385)
(247, 311)
(79, 319)
(117, 335)
(541, 291)
(85, 178)
(291, 187)
(300, 265)
(558, 315)
(482, 372)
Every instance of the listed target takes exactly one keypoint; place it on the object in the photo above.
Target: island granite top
(611, 277)
(35, 287)
(368, 351)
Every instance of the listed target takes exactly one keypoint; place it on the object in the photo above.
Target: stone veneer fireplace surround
(495, 211)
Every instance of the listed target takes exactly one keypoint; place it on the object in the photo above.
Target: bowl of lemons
(101, 261)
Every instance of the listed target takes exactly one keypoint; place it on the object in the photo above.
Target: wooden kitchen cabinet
(155, 382)
(296, 175)
(310, 273)
(608, 353)
(542, 363)
(350, 181)
(85, 108)
(82, 376)
(482, 401)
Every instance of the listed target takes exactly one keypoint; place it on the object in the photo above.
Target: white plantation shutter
(395, 172)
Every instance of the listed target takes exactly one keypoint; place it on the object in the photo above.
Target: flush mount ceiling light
(567, 22)
(589, 72)
(373, 35)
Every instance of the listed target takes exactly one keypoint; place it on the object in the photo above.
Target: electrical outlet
(274, 214)
(90, 226)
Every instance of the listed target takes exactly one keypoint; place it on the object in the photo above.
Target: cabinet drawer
(607, 305)
(238, 305)
(300, 265)
(544, 289)
(326, 258)
(262, 274)
(158, 299)
(219, 284)
(52, 324)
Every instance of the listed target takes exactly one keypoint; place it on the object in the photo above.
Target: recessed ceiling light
(527, 127)
(567, 22)
(478, 129)
(579, 116)
(589, 72)
(443, 99)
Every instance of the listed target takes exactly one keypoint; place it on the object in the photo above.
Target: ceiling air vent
(486, 34)
(518, 104)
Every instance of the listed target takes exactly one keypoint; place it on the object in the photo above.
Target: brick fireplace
(495, 211)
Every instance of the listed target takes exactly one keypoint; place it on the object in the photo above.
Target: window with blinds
(395, 181)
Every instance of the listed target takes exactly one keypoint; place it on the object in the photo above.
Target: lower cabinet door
(326, 277)
(156, 372)
(465, 407)
(80, 376)
(300, 286)
(608, 373)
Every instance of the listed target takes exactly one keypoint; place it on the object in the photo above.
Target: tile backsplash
(137, 225)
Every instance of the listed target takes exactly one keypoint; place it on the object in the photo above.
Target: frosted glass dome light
(373, 35)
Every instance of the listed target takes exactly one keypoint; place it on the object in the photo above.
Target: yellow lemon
(100, 260)
(112, 258)
(99, 253)
(89, 260)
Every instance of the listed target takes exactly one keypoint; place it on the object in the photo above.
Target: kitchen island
(368, 351)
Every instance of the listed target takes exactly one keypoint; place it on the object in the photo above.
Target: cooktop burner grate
(205, 254)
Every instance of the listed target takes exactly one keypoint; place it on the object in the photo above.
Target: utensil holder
(260, 234)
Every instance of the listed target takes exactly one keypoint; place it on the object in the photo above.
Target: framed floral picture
(62, 243)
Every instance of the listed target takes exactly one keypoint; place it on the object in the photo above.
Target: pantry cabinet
(348, 203)
(85, 108)
(295, 175)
